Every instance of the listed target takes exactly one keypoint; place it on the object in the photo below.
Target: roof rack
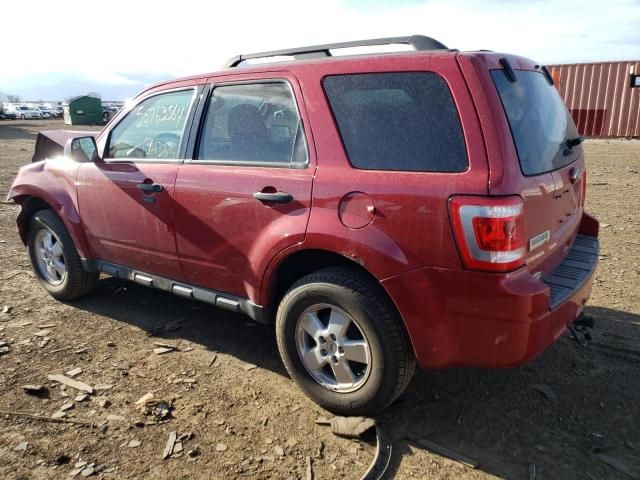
(418, 42)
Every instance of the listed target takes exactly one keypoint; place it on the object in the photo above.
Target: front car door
(246, 193)
(127, 200)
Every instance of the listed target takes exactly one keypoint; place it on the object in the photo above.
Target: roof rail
(418, 42)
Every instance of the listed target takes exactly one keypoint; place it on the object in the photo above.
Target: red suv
(377, 208)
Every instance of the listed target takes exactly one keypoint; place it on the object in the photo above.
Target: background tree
(14, 98)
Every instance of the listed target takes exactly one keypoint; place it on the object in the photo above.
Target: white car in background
(46, 111)
(23, 112)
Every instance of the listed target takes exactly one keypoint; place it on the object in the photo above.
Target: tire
(344, 296)
(23, 117)
(66, 282)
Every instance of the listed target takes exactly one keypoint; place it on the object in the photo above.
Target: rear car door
(246, 193)
(127, 199)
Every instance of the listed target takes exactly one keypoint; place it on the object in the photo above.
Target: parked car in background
(378, 210)
(108, 112)
(6, 114)
(23, 112)
(47, 112)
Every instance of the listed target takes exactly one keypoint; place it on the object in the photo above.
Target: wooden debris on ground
(34, 389)
(42, 418)
(213, 359)
(74, 372)
(309, 475)
(168, 448)
(70, 382)
(163, 350)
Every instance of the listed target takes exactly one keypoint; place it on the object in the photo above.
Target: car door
(126, 200)
(246, 193)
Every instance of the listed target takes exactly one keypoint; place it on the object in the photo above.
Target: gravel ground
(227, 388)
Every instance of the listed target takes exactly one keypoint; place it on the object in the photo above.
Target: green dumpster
(83, 110)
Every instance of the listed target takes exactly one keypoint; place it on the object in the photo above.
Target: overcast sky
(52, 49)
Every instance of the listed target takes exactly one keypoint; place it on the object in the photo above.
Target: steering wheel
(164, 145)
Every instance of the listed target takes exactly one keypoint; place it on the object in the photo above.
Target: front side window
(152, 129)
(253, 123)
(404, 121)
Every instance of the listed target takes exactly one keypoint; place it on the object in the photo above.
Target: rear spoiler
(51, 143)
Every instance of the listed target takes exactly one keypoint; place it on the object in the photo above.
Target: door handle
(278, 197)
(150, 187)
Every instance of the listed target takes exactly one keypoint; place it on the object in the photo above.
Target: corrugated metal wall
(600, 98)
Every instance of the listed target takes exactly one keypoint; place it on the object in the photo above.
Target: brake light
(489, 231)
(584, 187)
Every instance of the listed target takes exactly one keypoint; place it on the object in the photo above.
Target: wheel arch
(300, 263)
(32, 203)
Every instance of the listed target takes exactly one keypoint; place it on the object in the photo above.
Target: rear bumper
(458, 317)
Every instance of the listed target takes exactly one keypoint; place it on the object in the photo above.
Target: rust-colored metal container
(603, 97)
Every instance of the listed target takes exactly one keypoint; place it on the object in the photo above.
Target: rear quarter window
(403, 121)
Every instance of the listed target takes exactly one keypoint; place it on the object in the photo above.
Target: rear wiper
(570, 143)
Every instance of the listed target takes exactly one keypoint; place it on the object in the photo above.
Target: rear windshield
(397, 121)
(539, 120)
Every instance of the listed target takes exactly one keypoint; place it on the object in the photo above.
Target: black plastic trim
(222, 300)
(508, 70)
(418, 42)
(574, 271)
(547, 75)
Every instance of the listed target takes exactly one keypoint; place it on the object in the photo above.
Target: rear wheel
(343, 343)
(55, 259)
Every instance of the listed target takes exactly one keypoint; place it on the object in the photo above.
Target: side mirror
(82, 149)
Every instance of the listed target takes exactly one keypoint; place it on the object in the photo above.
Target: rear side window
(253, 124)
(397, 121)
(540, 122)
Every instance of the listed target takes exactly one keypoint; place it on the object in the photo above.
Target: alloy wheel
(333, 348)
(49, 256)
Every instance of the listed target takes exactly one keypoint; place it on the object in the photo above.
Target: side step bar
(219, 299)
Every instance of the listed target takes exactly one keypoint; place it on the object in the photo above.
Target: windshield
(539, 120)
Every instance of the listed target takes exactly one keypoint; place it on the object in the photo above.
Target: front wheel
(343, 343)
(55, 260)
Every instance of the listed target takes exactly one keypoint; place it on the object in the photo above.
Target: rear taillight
(489, 231)
(584, 187)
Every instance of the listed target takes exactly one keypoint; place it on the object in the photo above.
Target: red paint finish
(224, 235)
(206, 228)
(54, 183)
(465, 318)
(125, 225)
(549, 203)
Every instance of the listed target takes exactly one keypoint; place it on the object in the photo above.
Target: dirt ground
(248, 419)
